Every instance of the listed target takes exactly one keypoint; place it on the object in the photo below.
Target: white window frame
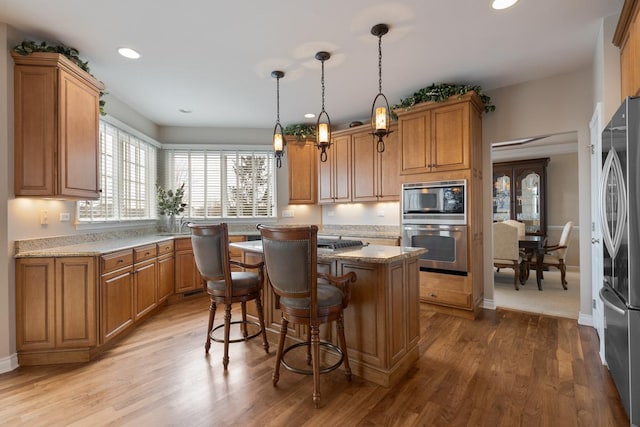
(148, 193)
(171, 181)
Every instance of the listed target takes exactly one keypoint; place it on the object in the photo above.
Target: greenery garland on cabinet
(440, 93)
(29, 46)
(300, 131)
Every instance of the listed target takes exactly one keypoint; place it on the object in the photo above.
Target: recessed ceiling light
(503, 4)
(128, 53)
(309, 115)
(185, 110)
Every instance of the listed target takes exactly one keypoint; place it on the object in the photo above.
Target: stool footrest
(236, 322)
(333, 349)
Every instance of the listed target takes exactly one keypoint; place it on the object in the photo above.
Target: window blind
(127, 177)
(223, 183)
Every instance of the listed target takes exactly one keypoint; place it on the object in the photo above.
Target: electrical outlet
(331, 213)
(287, 213)
(380, 213)
(44, 217)
(65, 217)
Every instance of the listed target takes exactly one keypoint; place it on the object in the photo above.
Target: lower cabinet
(187, 275)
(166, 273)
(55, 308)
(117, 293)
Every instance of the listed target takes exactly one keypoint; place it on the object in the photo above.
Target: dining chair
(305, 297)
(506, 251)
(554, 255)
(211, 253)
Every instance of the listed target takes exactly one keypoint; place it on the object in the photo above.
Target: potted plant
(170, 205)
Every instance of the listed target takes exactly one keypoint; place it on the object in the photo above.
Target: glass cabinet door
(501, 197)
(528, 201)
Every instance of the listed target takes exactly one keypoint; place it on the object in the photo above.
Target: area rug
(552, 300)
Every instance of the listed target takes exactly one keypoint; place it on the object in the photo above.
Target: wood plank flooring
(506, 369)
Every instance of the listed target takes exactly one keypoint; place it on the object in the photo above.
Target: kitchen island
(382, 325)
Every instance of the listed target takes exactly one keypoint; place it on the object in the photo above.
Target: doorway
(561, 206)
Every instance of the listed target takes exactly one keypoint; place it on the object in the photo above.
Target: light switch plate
(287, 213)
(65, 216)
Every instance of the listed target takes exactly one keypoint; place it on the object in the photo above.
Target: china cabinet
(519, 193)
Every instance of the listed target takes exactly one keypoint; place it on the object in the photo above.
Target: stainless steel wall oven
(446, 246)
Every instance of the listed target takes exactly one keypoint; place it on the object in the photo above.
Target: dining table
(533, 244)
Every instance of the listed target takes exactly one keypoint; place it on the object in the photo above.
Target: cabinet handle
(120, 261)
(432, 295)
(147, 253)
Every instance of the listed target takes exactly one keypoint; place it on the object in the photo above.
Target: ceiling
(215, 58)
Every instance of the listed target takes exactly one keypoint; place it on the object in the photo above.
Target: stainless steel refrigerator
(620, 197)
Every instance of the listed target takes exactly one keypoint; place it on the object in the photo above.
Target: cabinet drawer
(116, 260)
(142, 253)
(183, 244)
(438, 296)
(165, 247)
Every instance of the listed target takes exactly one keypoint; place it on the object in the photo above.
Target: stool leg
(343, 346)
(283, 335)
(244, 320)
(227, 327)
(309, 346)
(315, 343)
(212, 314)
(265, 343)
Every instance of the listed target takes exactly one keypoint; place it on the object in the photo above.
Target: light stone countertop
(378, 254)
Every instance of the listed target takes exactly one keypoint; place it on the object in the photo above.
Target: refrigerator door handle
(608, 303)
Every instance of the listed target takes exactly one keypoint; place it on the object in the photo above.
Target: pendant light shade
(323, 125)
(278, 134)
(380, 112)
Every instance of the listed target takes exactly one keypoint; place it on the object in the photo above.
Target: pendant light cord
(379, 64)
(322, 83)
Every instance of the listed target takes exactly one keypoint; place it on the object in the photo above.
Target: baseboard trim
(9, 363)
(585, 319)
(489, 304)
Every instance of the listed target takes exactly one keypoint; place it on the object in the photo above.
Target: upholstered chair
(305, 297)
(554, 255)
(211, 252)
(506, 253)
(519, 225)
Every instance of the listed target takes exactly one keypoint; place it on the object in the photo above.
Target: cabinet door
(187, 276)
(117, 303)
(450, 137)
(326, 189)
(415, 141)
(35, 130)
(388, 170)
(302, 164)
(78, 152)
(166, 277)
(35, 304)
(365, 159)
(342, 168)
(144, 284)
(76, 314)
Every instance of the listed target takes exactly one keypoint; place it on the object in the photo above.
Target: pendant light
(278, 134)
(380, 112)
(323, 125)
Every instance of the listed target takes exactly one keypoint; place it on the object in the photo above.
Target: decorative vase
(169, 224)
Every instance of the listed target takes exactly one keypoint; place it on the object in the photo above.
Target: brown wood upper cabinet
(334, 175)
(56, 128)
(436, 137)
(302, 164)
(627, 38)
(375, 175)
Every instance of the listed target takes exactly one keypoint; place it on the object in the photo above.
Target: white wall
(8, 360)
(553, 105)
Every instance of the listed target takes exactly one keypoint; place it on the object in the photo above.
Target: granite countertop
(379, 254)
(103, 243)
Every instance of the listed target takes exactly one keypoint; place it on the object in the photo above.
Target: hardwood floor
(505, 369)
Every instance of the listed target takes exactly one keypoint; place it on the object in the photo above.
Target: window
(223, 183)
(127, 178)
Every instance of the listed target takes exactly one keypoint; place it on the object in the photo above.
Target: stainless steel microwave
(435, 202)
